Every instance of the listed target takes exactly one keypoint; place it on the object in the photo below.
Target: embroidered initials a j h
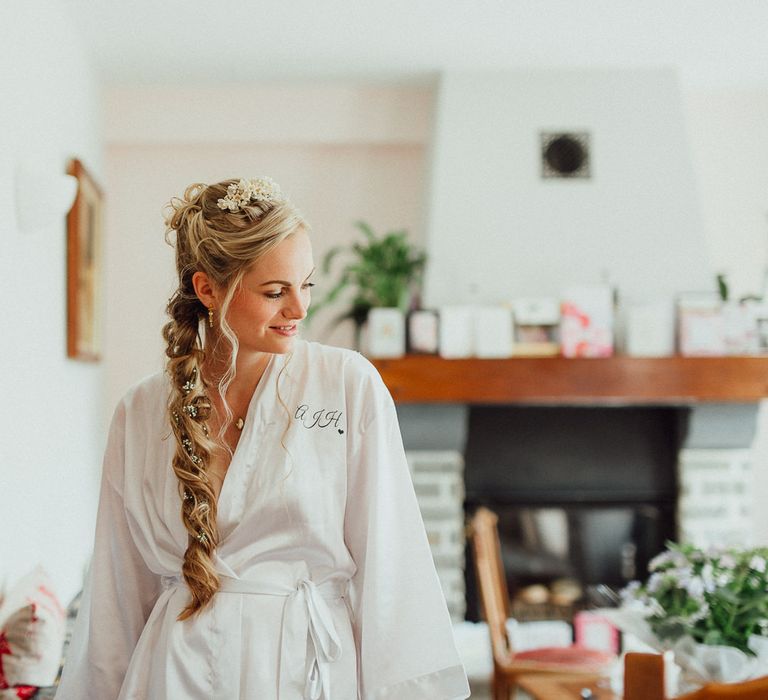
(321, 418)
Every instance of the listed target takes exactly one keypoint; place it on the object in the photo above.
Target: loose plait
(222, 244)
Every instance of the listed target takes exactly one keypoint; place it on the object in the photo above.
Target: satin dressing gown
(328, 588)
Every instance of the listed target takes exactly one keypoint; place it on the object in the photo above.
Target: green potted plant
(708, 606)
(382, 270)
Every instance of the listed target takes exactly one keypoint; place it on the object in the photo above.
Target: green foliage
(382, 271)
(722, 287)
(715, 596)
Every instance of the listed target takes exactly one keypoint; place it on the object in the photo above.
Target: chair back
(491, 580)
(643, 676)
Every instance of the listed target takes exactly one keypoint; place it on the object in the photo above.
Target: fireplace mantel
(557, 380)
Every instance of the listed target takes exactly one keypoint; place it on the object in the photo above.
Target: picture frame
(422, 331)
(536, 326)
(84, 241)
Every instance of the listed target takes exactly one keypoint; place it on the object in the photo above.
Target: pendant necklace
(240, 422)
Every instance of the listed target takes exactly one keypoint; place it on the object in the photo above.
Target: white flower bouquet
(709, 607)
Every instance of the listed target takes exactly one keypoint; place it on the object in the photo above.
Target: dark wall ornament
(565, 154)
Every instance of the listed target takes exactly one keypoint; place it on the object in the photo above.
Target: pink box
(594, 631)
(586, 322)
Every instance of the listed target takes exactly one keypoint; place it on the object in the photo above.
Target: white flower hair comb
(256, 189)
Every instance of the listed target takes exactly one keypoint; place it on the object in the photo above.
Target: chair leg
(500, 687)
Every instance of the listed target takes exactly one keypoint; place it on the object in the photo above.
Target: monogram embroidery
(321, 418)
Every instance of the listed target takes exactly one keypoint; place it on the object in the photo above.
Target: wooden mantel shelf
(558, 380)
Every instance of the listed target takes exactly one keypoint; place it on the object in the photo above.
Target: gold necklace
(240, 421)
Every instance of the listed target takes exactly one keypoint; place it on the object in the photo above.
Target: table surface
(543, 686)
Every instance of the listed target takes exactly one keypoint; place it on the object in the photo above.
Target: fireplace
(590, 464)
(582, 493)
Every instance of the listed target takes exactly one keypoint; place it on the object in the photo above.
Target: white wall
(497, 226)
(729, 143)
(342, 152)
(730, 146)
(51, 411)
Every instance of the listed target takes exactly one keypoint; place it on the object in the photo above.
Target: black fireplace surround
(588, 493)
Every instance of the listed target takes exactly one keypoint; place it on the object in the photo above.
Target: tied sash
(307, 623)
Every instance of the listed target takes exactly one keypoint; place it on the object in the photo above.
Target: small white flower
(681, 574)
(661, 559)
(724, 578)
(631, 592)
(700, 614)
(757, 563)
(695, 587)
(655, 608)
(654, 582)
(708, 577)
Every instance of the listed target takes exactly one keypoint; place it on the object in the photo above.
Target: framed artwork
(84, 235)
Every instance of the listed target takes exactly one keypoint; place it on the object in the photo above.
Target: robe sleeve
(402, 629)
(118, 595)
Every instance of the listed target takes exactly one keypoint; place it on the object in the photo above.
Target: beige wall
(352, 164)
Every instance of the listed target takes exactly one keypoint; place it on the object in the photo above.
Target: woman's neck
(249, 368)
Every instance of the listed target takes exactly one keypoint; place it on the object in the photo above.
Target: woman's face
(274, 297)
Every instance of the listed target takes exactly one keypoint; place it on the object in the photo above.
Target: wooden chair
(644, 680)
(508, 665)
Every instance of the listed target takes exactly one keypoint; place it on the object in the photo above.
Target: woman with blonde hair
(258, 535)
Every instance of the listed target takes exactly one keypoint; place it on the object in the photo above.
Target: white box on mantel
(456, 332)
(650, 329)
(386, 332)
(493, 332)
(701, 326)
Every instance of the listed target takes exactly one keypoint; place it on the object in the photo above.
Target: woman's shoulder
(348, 371)
(139, 413)
(151, 391)
(347, 375)
(347, 362)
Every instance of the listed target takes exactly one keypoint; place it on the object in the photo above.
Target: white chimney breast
(498, 231)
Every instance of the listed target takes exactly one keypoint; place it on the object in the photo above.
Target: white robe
(328, 585)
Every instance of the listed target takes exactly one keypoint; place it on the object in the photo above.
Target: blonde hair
(223, 244)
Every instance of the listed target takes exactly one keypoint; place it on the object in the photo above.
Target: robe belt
(305, 614)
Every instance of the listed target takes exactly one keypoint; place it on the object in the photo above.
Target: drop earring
(210, 318)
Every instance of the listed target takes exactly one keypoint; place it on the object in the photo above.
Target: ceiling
(711, 42)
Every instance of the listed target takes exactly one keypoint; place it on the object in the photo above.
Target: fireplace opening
(585, 497)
